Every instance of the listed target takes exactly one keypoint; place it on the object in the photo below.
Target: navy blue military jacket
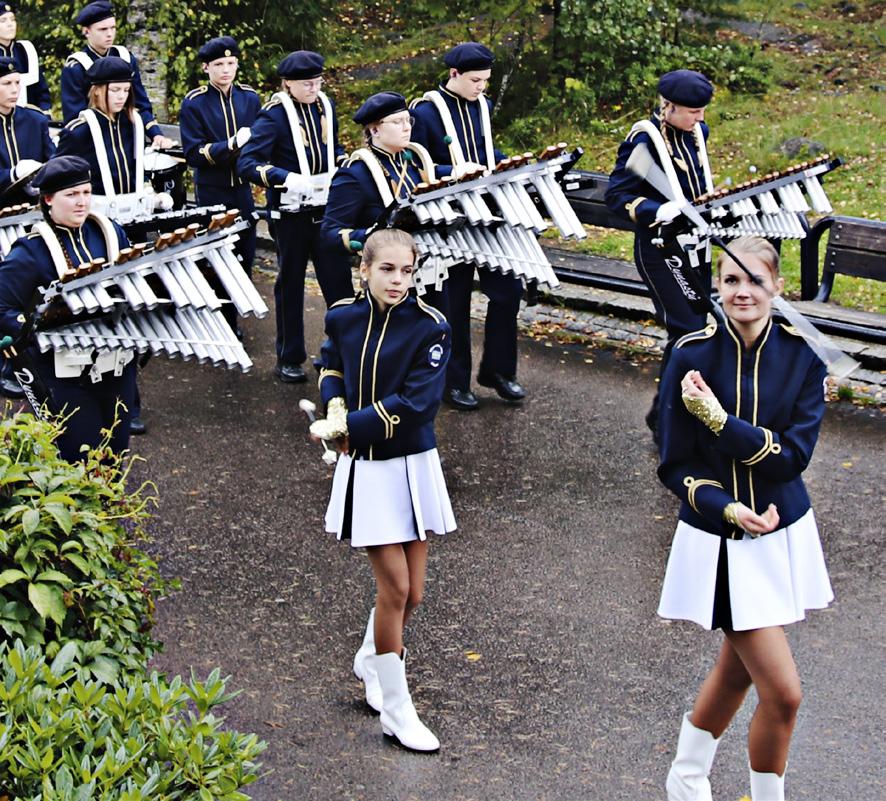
(354, 203)
(29, 265)
(37, 93)
(119, 137)
(632, 198)
(75, 90)
(428, 129)
(270, 153)
(390, 367)
(24, 134)
(773, 393)
(207, 120)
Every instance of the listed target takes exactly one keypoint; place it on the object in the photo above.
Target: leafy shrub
(64, 739)
(70, 571)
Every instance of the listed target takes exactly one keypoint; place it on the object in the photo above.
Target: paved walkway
(537, 656)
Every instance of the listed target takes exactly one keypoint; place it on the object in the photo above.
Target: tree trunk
(148, 43)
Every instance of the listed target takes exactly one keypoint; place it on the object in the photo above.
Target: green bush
(71, 573)
(64, 739)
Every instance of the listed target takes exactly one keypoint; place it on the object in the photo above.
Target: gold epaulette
(414, 103)
(697, 336)
(271, 103)
(74, 123)
(194, 92)
(344, 302)
(791, 330)
(246, 88)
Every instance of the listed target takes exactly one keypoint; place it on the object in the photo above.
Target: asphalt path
(537, 656)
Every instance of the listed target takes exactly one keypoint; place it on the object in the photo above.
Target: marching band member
(452, 122)
(389, 167)
(110, 136)
(99, 28)
(34, 89)
(24, 147)
(85, 387)
(741, 407)
(215, 122)
(388, 493)
(675, 136)
(293, 151)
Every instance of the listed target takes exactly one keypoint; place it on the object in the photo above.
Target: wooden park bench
(855, 247)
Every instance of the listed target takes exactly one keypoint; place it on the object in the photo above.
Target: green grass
(828, 95)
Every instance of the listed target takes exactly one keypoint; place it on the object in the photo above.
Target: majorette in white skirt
(389, 500)
(773, 579)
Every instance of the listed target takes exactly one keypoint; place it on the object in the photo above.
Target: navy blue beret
(301, 64)
(62, 172)
(378, 106)
(6, 8)
(7, 66)
(109, 69)
(95, 12)
(686, 88)
(220, 47)
(469, 56)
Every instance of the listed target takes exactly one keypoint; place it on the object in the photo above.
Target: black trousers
(92, 407)
(500, 328)
(298, 239)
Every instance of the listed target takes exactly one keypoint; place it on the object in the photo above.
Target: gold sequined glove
(336, 423)
(708, 410)
(730, 514)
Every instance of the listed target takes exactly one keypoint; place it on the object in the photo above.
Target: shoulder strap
(703, 158)
(428, 173)
(487, 132)
(138, 143)
(645, 126)
(101, 152)
(295, 129)
(112, 243)
(123, 53)
(32, 74)
(455, 149)
(55, 247)
(82, 59)
(330, 135)
(365, 155)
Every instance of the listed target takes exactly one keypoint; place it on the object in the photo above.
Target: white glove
(668, 211)
(296, 182)
(468, 167)
(163, 201)
(336, 423)
(240, 138)
(25, 168)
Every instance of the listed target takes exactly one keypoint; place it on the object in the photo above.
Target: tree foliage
(174, 30)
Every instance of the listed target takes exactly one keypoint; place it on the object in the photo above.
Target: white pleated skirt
(389, 500)
(772, 579)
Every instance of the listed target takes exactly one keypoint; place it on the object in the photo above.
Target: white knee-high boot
(364, 665)
(688, 776)
(766, 786)
(398, 716)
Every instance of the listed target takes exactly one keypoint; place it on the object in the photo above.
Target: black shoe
(290, 373)
(462, 399)
(11, 388)
(137, 427)
(506, 388)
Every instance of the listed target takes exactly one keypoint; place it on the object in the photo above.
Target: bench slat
(859, 234)
(858, 263)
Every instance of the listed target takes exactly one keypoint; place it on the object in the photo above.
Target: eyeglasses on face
(403, 122)
(314, 83)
